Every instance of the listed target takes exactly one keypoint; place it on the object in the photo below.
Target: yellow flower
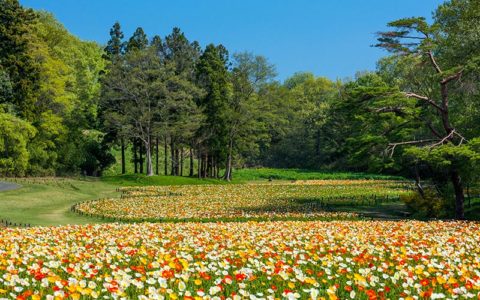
(359, 277)
(75, 296)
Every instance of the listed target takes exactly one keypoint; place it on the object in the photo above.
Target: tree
(115, 46)
(138, 41)
(295, 113)
(414, 39)
(243, 126)
(15, 57)
(183, 116)
(213, 76)
(67, 95)
(138, 85)
(14, 137)
(6, 88)
(113, 52)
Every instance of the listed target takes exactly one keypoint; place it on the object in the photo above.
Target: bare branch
(452, 77)
(424, 98)
(434, 62)
(442, 141)
(462, 138)
(391, 147)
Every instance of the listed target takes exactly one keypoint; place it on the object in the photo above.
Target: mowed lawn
(43, 204)
(48, 202)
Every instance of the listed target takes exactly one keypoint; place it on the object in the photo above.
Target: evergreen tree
(115, 46)
(183, 116)
(113, 52)
(157, 44)
(15, 58)
(213, 76)
(138, 87)
(138, 41)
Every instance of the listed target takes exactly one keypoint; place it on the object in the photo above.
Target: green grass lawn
(45, 204)
(49, 202)
(299, 174)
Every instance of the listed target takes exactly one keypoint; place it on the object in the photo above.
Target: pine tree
(213, 76)
(138, 41)
(115, 46)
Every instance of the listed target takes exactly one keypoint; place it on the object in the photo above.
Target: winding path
(7, 186)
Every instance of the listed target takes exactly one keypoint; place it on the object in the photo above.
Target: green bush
(430, 205)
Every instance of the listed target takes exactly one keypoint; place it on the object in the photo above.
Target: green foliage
(94, 154)
(68, 91)
(6, 88)
(430, 205)
(294, 114)
(138, 41)
(213, 77)
(115, 46)
(14, 136)
(16, 61)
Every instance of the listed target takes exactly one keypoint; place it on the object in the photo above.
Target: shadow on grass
(381, 211)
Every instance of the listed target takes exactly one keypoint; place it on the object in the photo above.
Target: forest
(164, 104)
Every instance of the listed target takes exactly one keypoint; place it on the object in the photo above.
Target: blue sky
(328, 38)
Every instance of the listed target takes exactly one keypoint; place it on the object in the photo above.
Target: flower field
(249, 260)
(295, 200)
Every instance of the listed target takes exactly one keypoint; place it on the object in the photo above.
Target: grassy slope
(39, 204)
(49, 204)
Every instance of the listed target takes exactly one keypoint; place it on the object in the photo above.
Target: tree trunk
(135, 158)
(469, 198)
(181, 161)
(156, 155)
(209, 166)
(165, 144)
(459, 196)
(140, 149)
(177, 162)
(215, 169)
(204, 165)
(228, 167)
(148, 154)
(191, 162)
(199, 164)
(122, 141)
(172, 154)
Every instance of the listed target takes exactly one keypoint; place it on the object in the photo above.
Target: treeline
(169, 91)
(49, 87)
(66, 104)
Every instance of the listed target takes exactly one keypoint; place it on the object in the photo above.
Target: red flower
(240, 276)
(424, 282)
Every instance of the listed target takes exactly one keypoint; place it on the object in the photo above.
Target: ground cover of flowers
(300, 199)
(243, 260)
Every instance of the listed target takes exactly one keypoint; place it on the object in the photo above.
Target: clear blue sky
(328, 38)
